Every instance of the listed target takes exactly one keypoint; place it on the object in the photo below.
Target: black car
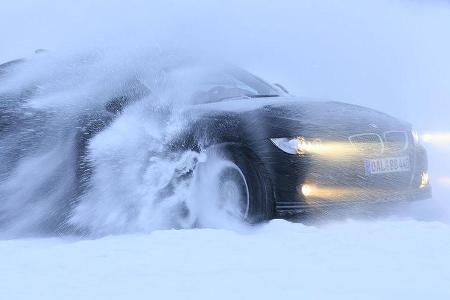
(286, 154)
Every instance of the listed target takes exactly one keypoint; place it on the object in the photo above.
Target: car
(286, 154)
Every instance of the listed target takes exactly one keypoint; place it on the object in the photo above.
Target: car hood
(331, 118)
(309, 116)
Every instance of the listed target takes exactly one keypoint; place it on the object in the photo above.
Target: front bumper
(342, 183)
(300, 206)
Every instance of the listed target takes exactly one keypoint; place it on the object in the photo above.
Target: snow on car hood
(315, 113)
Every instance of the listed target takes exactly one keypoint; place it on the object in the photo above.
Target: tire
(248, 170)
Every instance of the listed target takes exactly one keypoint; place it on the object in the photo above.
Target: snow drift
(137, 184)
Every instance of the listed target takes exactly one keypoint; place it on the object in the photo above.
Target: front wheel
(233, 192)
(242, 188)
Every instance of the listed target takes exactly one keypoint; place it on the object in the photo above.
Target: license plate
(387, 165)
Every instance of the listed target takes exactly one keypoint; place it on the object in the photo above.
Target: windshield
(208, 84)
(232, 83)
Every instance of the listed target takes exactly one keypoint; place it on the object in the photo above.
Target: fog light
(306, 190)
(425, 179)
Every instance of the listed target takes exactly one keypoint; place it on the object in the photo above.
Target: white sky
(390, 55)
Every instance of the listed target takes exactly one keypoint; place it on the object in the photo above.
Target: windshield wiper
(263, 96)
(245, 97)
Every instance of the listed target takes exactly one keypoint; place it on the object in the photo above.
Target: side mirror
(282, 88)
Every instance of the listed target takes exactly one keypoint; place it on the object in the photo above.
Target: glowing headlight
(298, 145)
(425, 179)
(306, 190)
(415, 136)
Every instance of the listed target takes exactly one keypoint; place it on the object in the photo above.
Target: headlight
(415, 136)
(297, 145)
(424, 179)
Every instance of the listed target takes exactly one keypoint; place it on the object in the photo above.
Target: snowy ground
(347, 260)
